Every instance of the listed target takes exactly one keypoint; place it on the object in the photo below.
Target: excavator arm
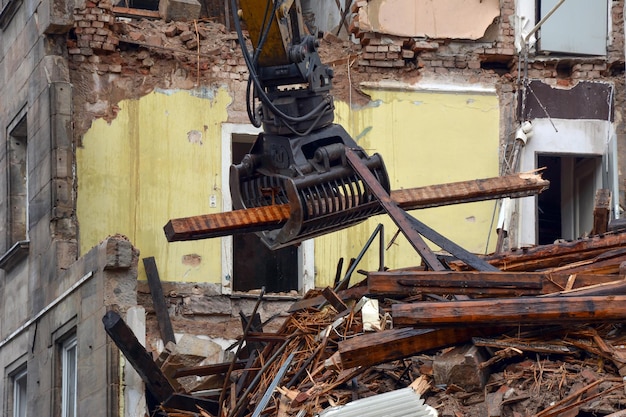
(299, 158)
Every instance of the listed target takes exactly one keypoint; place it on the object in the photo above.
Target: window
(17, 194)
(17, 182)
(279, 271)
(19, 398)
(577, 27)
(69, 377)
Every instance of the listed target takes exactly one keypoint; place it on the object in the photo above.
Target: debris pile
(542, 337)
(530, 332)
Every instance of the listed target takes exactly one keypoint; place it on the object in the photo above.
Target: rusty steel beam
(274, 217)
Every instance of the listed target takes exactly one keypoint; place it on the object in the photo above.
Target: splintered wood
(543, 337)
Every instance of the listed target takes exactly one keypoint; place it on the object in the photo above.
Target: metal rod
(232, 363)
(353, 265)
(270, 390)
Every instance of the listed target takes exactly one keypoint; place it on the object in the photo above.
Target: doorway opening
(565, 210)
(254, 264)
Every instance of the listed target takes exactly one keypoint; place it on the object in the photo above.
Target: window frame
(18, 393)
(527, 16)
(69, 392)
(306, 251)
(16, 244)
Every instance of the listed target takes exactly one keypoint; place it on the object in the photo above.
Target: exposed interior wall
(158, 160)
(439, 19)
(425, 138)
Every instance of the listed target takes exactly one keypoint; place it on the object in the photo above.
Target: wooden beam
(511, 311)
(334, 299)
(601, 211)
(225, 224)
(126, 341)
(274, 217)
(553, 255)
(514, 186)
(136, 13)
(388, 345)
(474, 283)
(158, 300)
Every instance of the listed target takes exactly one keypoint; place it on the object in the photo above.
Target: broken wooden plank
(137, 356)
(553, 255)
(274, 217)
(484, 283)
(608, 262)
(158, 300)
(605, 288)
(388, 345)
(601, 211)
(353, 293)
(511, 311)
(206, 370)
(526, 346)
(334, 299)
(135, 13)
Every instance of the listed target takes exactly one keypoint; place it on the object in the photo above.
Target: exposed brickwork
(93, 30)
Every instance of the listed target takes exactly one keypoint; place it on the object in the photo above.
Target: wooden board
(379, 347)
(511, 311)
(476, 283)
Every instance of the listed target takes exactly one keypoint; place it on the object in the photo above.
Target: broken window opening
(254, 264)
(565, 210)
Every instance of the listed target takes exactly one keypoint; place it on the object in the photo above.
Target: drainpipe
(522, 135)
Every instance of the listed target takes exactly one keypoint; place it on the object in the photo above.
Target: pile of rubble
(541, 337)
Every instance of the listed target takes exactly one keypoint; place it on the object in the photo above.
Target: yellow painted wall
(425, 138)
(159, 159)
(144, 169)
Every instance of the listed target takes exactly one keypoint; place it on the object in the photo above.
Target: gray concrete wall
(106, 278)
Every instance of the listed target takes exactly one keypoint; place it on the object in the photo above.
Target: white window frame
(20, 397)
(306, 263)
(69, 377)
(525, 21)
(571, 137)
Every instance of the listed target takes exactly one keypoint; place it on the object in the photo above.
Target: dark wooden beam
(158, 300)
(511, 311)
(601, 211)
(474, 283)
(554, 255)
(137, 356)
(380, 347)
(136, 13)
(334, 299)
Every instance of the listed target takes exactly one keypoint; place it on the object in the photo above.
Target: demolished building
(117, 119)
